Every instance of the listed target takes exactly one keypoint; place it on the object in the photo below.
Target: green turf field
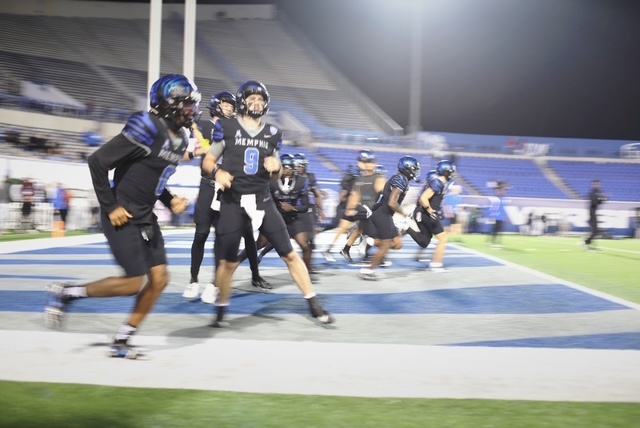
(13, 236)
(614, 270)
(52, 405)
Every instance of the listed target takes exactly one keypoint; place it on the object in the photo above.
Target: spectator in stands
(596, 198)
(61, 203)
(39, 143)
(143, 154)
(54, 148)
(13, 137)
(92, 139)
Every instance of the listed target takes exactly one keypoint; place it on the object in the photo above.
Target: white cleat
(210, 294)
(329, 257)
(191, 292)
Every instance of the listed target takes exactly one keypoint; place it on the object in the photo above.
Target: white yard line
(340, 369)
(552, 278)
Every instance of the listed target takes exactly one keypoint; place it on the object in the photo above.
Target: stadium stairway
(551, 175)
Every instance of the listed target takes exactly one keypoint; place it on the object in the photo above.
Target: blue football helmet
(249, 88)
(301, 160)
(288, 161)
(409, 167)
(215, 105)
(446, 169)
(366, 156)
(176, 99)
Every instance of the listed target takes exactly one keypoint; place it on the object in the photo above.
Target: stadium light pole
(188, 55)
(155, 38)
(415, 80)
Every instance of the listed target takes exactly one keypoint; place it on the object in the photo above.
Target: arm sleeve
(166, 198)
(115, 152)
(217, 149)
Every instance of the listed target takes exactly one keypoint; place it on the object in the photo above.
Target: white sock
(76, 291)
(125, 332)
(435, 265)
(310, 295)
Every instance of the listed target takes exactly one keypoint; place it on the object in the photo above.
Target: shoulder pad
(399, 181)
(436, 185)
(141, 129)
(217, 133)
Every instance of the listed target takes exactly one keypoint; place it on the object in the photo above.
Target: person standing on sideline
(145, 154)
(498, 213)
(61, 204)
(596, 198)
(249, 148)
(28, 192)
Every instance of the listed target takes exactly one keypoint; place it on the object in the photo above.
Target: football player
(145, 154)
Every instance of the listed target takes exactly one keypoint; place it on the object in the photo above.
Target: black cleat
(261, 283)
(346, 255)
(318, 312)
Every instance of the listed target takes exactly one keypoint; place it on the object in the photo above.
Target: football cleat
(328, 257)
(368, 275)
(191, 291)
(344, 253)
(121, 349)
(57, 305)
(261, 283)
(210, 294)
(318, 312)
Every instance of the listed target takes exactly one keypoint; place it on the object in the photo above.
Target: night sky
(557, 68)
(554, 68)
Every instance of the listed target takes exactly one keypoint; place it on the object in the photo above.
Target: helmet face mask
(288, 165)
(366, 156)
(223, 105)
(248, 99)
(176, 99)
(409, 167)
(301, 162)
(366, 160)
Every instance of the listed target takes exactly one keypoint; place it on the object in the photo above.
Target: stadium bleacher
(620, 181)
(103, 61)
